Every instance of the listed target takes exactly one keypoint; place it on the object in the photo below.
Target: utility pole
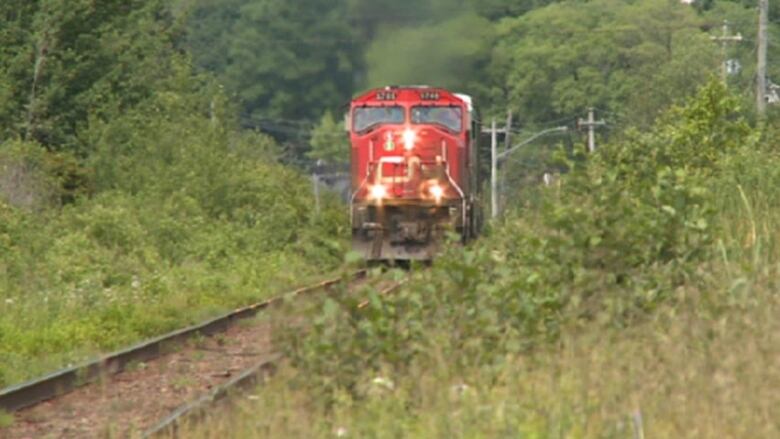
(591, 124)
(724, 40)
(508, 136)
(315, 181)
(493, 170)
(502, 177)
(763, 14)
(494, 131)
(496, 158)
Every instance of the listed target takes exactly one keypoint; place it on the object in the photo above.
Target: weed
(136, 366)
(6, 419)
(182, 382)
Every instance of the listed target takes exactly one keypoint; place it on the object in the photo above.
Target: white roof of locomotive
(467, 99)
(464, 97)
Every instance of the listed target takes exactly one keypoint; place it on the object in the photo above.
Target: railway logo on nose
(389, 143)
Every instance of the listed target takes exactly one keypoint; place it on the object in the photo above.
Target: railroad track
(247, 380)
(149, 389)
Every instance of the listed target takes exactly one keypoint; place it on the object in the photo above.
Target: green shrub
(25, 181)
(189, 219)
(34, 178)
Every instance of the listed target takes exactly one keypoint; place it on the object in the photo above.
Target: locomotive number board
(386, 95)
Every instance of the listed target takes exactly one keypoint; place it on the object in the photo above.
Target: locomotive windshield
(448, 117)
(367, 117)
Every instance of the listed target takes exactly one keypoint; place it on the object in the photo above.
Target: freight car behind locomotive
(415, 171)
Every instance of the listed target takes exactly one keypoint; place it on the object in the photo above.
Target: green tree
(497, 9)
(290, 59)
(15, 23)
(209, 32)
(66, 61)
(329, 141)
(634, 58)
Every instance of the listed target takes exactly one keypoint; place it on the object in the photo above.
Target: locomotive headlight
(410, 137)
(437, 192)
(378, 192)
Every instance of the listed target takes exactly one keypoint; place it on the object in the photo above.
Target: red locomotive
(414, 171)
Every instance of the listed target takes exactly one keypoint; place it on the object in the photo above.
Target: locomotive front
(414, 171)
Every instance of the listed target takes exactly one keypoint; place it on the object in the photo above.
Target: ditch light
(378, 192)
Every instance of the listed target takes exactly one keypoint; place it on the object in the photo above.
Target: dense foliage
(544, 60)
(130, 201)
(63, 62)
(636, 58)
(290, 62)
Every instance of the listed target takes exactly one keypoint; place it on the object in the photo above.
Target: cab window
(450, 118)
(369, 117)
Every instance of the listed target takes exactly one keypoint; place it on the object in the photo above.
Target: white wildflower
(383, 382)
(341, 432)
(9, 301)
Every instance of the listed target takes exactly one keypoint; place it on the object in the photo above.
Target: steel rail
(64, 381)
(249, 379)
(387, 291)
(199, 409)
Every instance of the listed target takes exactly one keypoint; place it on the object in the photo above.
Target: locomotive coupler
(407, 232)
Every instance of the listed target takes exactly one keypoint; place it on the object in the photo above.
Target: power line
(505, 154)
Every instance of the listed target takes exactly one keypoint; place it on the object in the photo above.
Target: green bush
(188, 219)
(26, 180)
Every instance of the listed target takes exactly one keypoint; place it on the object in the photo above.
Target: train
(415, 171)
